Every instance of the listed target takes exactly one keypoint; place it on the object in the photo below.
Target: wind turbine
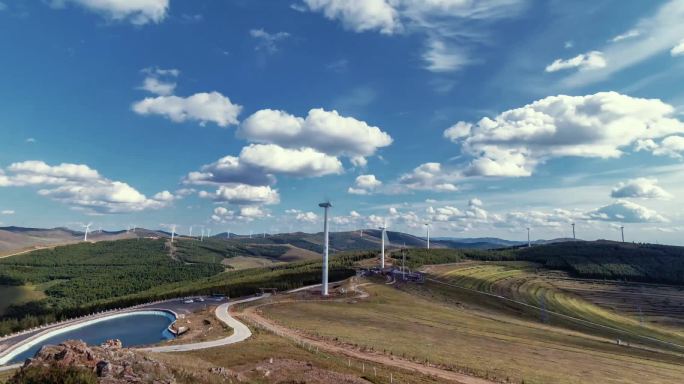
(573, 232)
(87, 228)
(208, 232)
(361, 235)
(202, 236)
(622, 231)
(427, 226)
(228, 234)
(382, 251)
(324, 286)
(529, 244)
(190, 231)
(173, 232)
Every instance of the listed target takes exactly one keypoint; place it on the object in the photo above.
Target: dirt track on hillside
(252, 315)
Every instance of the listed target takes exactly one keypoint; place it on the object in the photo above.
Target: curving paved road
(240, 331)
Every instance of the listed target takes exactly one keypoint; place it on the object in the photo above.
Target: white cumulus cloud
(226, 170)
(245, 213)
(641, 187)
(138, 12)
(627, 212)
(305, 217)
(80, 187)
(602, 125)
(203, 107)
(304, 162)
(325, 131)
(257, 164)
(672, 146)
(364, 185)
(241, 194)
(158, 81)
(359, 15)
(429, 177)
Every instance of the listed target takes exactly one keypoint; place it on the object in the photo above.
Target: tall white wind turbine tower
(190, 235)
(87, 229)
(324, 283)
(529, 244)
(202, 236)
(382, 246)
(208, 232)
(173, 232)
(427, 226)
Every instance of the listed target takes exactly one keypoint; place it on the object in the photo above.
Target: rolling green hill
(648, 263)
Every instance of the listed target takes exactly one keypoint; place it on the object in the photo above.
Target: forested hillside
(87, 277)
(77, 275)
(611, 260)
(648, 263)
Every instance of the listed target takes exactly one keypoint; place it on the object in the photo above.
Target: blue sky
(481, 118)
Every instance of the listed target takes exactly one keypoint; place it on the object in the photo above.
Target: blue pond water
(139, 329)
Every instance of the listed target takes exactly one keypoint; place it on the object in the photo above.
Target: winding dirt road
(251, 314)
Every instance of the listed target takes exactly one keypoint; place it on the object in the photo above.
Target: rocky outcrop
(109, 363)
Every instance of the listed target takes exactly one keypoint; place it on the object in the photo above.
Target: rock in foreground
(75, 362)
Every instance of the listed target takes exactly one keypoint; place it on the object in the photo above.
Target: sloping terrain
(18, 239)
(300, 245)
(611, 260)
(13, 239)
(457, 330)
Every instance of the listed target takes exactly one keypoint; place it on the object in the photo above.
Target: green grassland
(263, 346)
(520, 281)
(461, 330)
